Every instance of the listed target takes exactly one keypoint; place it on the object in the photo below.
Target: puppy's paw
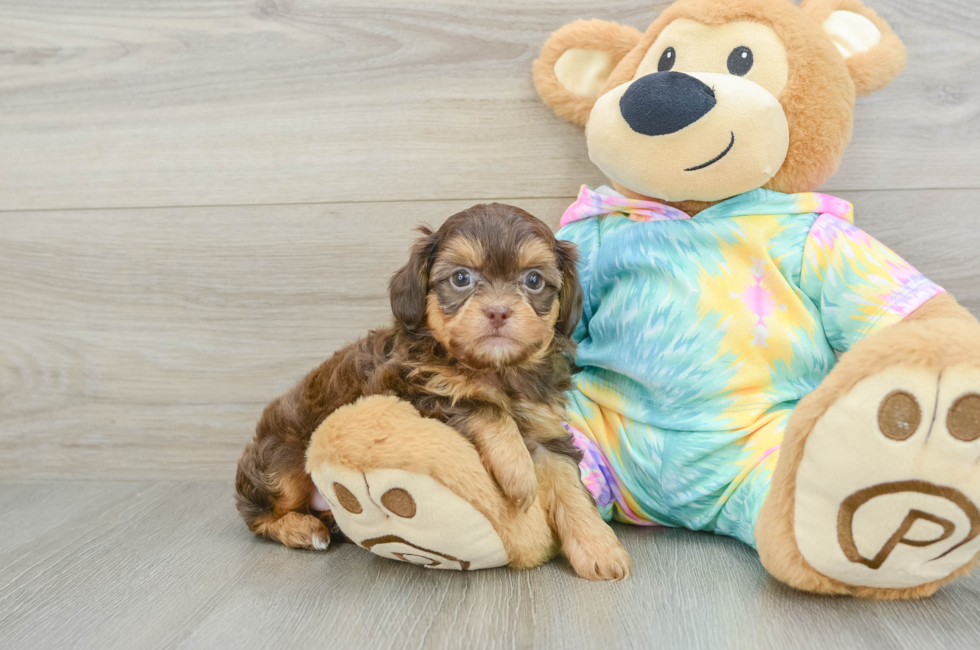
(601, 557)
(517, 480)
(297, 530)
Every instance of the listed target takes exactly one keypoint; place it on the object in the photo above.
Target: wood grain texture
(143, 344)
(169, 102)
(155, 337)
(169, 565)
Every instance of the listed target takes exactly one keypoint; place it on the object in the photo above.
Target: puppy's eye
(533, 281)
(740, 61)
(461, 278)
(667, 60)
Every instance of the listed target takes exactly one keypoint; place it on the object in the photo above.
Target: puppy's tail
(255, 490)
(273, 490)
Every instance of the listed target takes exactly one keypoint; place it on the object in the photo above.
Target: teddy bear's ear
(576, 62)
(873, 52)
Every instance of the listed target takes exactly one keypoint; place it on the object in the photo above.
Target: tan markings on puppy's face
(464, 252)
(701, 117)
(537, 254)
(494, 302)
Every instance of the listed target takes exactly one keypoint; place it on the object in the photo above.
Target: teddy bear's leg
(877, 489)
(413, 489)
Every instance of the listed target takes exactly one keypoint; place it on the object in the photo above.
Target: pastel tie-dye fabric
(699, 336)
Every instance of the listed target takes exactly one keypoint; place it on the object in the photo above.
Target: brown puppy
(484, 311)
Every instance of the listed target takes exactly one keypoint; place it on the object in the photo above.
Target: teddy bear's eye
(667, 60)
(740, 61)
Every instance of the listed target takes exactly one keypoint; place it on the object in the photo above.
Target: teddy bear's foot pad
(888, 490)
(410, 517)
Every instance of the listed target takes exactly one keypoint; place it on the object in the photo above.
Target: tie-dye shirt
(700, 334)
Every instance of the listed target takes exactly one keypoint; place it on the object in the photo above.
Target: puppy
(484, 311)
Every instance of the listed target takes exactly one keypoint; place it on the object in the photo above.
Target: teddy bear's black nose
(665, 102)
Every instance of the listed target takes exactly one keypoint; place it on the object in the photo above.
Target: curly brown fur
(500, 386)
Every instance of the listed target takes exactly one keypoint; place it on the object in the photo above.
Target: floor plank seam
(836, 192)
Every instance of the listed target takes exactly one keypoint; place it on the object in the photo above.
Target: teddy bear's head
(719, 97)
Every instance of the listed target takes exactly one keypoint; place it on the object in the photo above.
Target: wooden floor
(199, 201)
(153, 564)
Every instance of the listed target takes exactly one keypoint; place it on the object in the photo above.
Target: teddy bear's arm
(857, 284)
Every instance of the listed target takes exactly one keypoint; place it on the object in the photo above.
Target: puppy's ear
(570, 296)
(576, 62)
(409, 286)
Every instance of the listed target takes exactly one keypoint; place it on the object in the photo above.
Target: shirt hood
(595, 204)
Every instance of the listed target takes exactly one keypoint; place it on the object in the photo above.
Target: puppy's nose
(498, 315)
(665, 102)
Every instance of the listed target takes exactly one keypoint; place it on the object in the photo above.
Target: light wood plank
(166, 102)
(155, 336)
(144, 343)
(169, 565)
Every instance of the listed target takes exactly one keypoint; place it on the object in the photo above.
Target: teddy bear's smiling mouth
(716, 158)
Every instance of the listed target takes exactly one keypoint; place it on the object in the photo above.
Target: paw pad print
(888, 487)
(409, 517)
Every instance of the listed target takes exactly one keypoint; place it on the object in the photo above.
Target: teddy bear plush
(753, 364)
